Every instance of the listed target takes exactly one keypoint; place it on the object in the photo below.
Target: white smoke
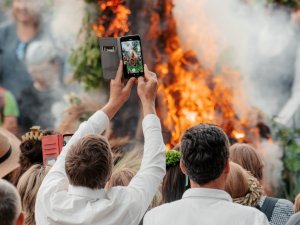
(258, 41)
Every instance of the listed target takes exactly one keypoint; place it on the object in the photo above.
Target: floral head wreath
(172, 158)
(254, 194)
(35, 133)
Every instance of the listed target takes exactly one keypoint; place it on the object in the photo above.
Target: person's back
(205, 153)
(10, 205)
(73, 191)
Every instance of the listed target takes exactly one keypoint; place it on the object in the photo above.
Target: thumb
(129, 84)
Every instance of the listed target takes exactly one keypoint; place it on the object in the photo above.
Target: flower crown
(172, 158)
(34, 134)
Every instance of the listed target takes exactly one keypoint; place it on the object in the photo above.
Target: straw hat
(9, 152)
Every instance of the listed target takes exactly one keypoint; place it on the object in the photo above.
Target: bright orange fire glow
(113, 21)
(190, 92)
(194, 94)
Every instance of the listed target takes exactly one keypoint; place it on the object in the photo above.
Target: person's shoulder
(285, 204)
(6, 28)
(168, 209)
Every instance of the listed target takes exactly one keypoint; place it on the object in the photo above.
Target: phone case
(110, 56)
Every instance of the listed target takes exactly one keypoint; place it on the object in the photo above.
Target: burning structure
(190, 92)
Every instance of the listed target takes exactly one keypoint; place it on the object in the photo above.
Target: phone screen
(132, 56)
(67, 138)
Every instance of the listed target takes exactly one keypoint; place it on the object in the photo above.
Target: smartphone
(66, 138)
(132, 56)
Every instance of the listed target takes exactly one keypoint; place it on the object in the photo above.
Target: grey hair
(10, 203)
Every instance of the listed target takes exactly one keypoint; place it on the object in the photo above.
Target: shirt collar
(87, 192)
(207, 193)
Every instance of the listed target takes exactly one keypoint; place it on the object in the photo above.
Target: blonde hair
(28, 187)
(297, 204)
(120, 178)
(244, 188)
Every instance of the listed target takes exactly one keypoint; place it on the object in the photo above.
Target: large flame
(194, 93)
(191, 92)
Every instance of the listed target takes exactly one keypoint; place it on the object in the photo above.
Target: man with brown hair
(73, 191)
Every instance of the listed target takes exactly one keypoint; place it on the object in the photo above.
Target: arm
(96, 124)
(144, 185)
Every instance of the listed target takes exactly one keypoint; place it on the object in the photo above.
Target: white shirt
(60, 203)
(206, 207)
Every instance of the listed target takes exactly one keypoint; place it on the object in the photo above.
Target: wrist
(149, 108)
(110, 109)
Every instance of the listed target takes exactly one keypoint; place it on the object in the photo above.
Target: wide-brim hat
(9, 152)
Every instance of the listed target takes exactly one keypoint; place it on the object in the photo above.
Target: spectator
(277, 210)
(9, 111)
(120, 178)
(45, 69)
(9, 154)
(174, 183)
(86, 164)
(15, 37)
(205, 151)
(297, 204)
(31, 150)
(10, 205)
(242, 186)
(28, 187)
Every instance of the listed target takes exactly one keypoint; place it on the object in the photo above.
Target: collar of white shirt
(207, 193)
(87, 192)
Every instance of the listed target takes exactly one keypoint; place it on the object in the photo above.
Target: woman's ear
(182, 168)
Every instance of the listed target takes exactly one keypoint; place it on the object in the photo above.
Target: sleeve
(11, 106)
(144, 185)
(96, 124)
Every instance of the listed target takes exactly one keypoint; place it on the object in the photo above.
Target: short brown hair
(120, 178)
(246, 156)
(89, 162)
(28, 187)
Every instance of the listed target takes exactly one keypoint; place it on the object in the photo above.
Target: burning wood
(189, 92)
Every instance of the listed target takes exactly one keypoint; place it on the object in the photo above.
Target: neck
(215, 184)
(26, 31)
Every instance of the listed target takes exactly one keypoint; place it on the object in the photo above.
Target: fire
(193, 93)
(190, 92)
(116, 27)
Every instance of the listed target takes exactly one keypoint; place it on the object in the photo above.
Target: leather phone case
(110, 56)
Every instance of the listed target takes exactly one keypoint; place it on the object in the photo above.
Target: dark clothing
(13, 73)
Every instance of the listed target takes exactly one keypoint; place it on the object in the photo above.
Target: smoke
(260, 42)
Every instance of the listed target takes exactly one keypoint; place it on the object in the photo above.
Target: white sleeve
(144, 185)
(57, 178)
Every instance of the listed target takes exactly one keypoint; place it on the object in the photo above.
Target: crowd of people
(203, 180)
(100, 180)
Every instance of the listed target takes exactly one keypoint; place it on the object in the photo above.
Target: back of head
(120, 178)
(242, 186)
(89, 162)
(205, 152)
(246, 156)
(173, 185)
(28, 187)
(10, 203)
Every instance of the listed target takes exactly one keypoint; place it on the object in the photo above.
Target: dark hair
(89, 162)
(246, 156)
(10, 203)
(205, 151)
(30, 154)
(173, 185)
